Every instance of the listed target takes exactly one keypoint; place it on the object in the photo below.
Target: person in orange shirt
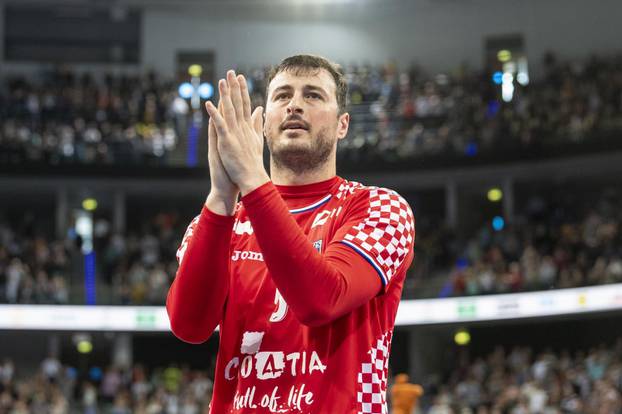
(404, 395)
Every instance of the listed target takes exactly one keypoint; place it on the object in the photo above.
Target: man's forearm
(317, 288)
(196, 298)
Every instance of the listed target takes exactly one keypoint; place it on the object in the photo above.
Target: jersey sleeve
(181, 251)
(196, 299)
(380, 228)
(318, 288)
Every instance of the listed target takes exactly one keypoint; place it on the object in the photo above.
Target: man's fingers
(236, 95)
(217, 120)
(211, 135)
(246, 98)
(212, 141)
(228, 111)
(257, 121)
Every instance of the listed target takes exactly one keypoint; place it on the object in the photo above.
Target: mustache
(294, 118)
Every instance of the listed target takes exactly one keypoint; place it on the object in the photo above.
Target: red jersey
(305, 283)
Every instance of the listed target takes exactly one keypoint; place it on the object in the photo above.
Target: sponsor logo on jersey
(266, 365)
(323, 216)
(270, 365)
(317, 245)
(246, 255)
(242, 227)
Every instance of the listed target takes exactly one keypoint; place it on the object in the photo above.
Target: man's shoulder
(353, 190)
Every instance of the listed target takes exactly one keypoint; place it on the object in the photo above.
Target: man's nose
(294, 106)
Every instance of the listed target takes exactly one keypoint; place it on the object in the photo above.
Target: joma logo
(246, 255)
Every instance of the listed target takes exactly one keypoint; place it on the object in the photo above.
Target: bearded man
(304, 273)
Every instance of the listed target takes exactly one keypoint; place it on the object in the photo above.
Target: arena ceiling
(182, 3)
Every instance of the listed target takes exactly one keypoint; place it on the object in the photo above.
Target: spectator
(397, 114)
(550, 382)
(404, 396)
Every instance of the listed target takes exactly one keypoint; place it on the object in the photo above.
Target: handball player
(301, 269)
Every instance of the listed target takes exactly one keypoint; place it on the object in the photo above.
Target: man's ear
(343, 123)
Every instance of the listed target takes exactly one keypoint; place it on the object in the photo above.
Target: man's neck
(284, 176)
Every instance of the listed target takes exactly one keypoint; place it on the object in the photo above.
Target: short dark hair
(303, 64)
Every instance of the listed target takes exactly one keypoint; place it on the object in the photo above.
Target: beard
(302, 157)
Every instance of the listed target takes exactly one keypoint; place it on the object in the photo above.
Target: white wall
(439, 34)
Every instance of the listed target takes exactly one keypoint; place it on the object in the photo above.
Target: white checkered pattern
(387, 234)
(371, 396)
(346, 188)
(184, 242)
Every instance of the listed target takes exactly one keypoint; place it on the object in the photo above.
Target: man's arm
(317, 288)
(196, 299)
(321, 288)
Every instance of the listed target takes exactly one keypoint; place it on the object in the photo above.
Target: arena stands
(514, 380)
(61, 117)
(551, 245)
(520, 380)
(33, 268)
(60, 388)
(401, 117)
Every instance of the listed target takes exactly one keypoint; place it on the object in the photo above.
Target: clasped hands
(235, 152)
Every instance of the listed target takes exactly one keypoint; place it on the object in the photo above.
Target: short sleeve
(381, 229)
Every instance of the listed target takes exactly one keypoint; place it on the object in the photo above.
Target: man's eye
(280, 96)
(314, 95)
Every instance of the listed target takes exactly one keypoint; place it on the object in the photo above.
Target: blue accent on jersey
(357, 249)
(312, 206)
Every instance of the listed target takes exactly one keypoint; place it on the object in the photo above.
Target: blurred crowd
(397, 114)
(33, 268)
(135, 268)
(516, 381)
(552, 244)
(524, 382)
(62, 117)
(411, 114)
(140, 265)
(60, 389)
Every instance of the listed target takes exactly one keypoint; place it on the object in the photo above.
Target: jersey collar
(318, 193)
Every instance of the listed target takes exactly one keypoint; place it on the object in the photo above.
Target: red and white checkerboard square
(347, 188)
(372, 379)
(385, 237)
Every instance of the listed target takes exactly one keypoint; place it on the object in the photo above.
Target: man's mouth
(295, 126)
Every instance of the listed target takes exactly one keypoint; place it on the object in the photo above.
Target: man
(305, 274)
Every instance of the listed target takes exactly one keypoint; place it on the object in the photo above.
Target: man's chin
(293, 144)
(293, 151)
(295, 133)
(298, 158)
(302, 153)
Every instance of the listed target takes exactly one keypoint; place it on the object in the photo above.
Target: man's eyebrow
(282, 88)
(289, 88)
(315, 88)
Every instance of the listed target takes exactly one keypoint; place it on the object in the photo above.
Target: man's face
(303, 124)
